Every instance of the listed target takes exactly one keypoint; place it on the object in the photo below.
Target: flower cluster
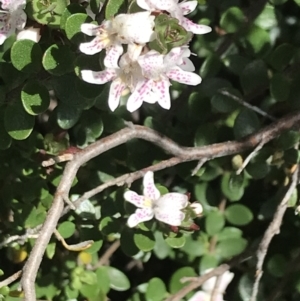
(156, 41)
(169, 208)
(209, 286)
(12, 18)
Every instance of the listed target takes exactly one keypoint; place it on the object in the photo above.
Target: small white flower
(157, 70)
(197, 208)
(133, 29)
(166, 208)
(124, 76)
(178, 11)
(209, 285)
(31, 33)
(12, 18)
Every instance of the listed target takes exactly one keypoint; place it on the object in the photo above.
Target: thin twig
(216, 288)
(250, 156)
(271, 231)
(11, 279)
(248, 105)
(199, 165)
(104, 259)
(182, 154)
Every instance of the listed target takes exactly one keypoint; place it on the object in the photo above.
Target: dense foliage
(249, 65)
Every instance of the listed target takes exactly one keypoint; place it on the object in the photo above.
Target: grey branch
(181, 154)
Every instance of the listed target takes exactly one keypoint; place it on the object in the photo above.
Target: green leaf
(70, 10)
(205, 135)
(238, 214)
(245, 123)
(280, 87)
(145, 241)
(176, 242)
(232, 186)
(258, 170)
(257, 41)
(287, 140)
(103, 279)
(207, 262)
(73, 25)
(281, 56)
(58, 59)
(156, 290)
(236, 63)
(5, 139)
(267, 18)
(35, 97)
(17, 122)
(176, 283)
(232, 20)
(26, 56)
(254, 77)
(66, 229)
(279, 2)
(277, 265)
(210, 66)
(109, 225)
(161, 248)
(127, 242)
(118, 280)
(50, 251)
(229, 232)
(67, 117)
(112, 8)
(88, 277)
(230, 247)
(214, 222)
(225, 103)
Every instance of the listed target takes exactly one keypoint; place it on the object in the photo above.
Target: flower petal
(13, 5)
(195, 28)
(184, 77)
(140, 93)
(173, 218)
(98, 77)
(172, 201)
(161, 92)
(152, 64)
(113, 54)
(150, 190)
(135, 199)
(115, 92)
(188, 7)
(140, 215)
(187, 65)
(95, 46)
(31, 33)
(90, 29)
(209, 285)
(200, 296)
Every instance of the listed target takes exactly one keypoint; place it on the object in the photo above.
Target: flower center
(147, 203)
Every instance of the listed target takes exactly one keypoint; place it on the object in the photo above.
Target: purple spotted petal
(150, 190)
(113, 54)
(140, 215)
(184, 77)
(195, 28)
(169, 217)
(141, 92)
(161, 93)
(157, 4)
(13, 5)
(188, 7)
(115, 91)
(152, 64)
(172, 202)
(187, 65)
(95, 46)
(98, 77)
(134, 198)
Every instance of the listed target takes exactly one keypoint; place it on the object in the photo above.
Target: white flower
(176, 10)
(31, 33)
(12, 18)
(135, 29)
(209, 285)
(124, 76)
(166, 208)
(157, 70)
(197, 208)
